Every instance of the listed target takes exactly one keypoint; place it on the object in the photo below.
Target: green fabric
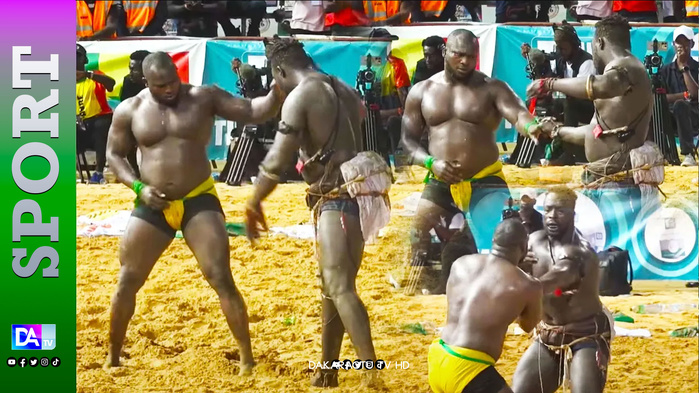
(137, 187)
(451, 352)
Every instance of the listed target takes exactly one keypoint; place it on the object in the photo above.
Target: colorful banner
(37, 281)
(339, 58)
(509, 64)
(661, 237)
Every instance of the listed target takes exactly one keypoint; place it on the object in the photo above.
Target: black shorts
(349, 206)
(487, 381)
(192, 206)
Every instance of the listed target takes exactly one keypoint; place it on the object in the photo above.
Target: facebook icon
(33, 337)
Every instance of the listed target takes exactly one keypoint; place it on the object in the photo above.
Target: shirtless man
(326, 130)
(485, 294)
(573, 316)
(461, 108)
(170, 123)
(622, 96)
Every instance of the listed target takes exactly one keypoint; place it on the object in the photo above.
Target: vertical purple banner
(37, 235)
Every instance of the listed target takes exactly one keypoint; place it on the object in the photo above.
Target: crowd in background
(105, 20)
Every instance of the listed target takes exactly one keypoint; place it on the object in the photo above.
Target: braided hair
(288, 52)
(566, 32)
(615, 29)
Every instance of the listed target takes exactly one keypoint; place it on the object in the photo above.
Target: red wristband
(686, 95)
(558, 292)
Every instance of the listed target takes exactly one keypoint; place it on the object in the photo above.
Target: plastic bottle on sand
(663, 308)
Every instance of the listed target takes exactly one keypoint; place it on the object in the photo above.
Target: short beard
(457, 77)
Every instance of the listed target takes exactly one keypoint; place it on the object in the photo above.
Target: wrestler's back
(567, 308)
(623, 111)
(462, 120)
(483, 299)
(173, 140)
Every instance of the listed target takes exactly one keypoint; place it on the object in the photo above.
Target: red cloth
(635, 6)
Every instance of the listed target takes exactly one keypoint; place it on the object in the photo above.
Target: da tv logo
(33, 337)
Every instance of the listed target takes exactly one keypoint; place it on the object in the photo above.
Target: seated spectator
(432, 61)
(93, 113)
(143, 18)
(251, 9)
(196, 18)
(636, 10)
(593, 10)
(691, 10)
(680, 79)
(347, 18)
(97, 20)
(133, 83)
(521, 11)
(308, 17)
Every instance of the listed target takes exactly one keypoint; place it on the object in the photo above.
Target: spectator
(432, 61)
(196, 18)
(636, 10)
(93, 112)
(573, 62)
(251, 9)
(593, 10)
(389, 13)
(521, 11)
(308, 17)
(437, 11)
(97, 20)
(667, 12)
(347, 18)
(691, 10)
(395, 83)
(133, 83)
(680, 79)
(143, 18)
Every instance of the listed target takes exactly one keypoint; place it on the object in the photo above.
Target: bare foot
(371, 380)
(246, 369)
(325, 379)
(109, 363)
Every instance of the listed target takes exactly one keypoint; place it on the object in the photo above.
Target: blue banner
(509, 64)
(339, 58)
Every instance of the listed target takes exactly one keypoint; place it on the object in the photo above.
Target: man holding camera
(680, 80)
(623, 101)
(461, 108)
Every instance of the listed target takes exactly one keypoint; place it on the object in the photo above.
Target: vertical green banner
(37, 230)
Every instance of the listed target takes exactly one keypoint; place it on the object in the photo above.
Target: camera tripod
(367, 88)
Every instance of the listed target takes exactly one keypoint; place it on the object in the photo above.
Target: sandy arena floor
(178, 340)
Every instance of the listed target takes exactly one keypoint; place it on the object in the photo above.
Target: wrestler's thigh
(588, 370)
(205, 234)
(538, 366)
(341, 245)
(430, 213)
(141, 245)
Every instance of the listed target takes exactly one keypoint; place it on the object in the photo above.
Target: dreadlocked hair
(615, 29)
(286, 51)
(566, 32)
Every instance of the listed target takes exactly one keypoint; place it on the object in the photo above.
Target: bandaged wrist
(534, 122)
(137, 186)
(429, 160)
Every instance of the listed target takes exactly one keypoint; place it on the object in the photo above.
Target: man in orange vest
(144, 18)
(94, 115)
(636, 10)
(692, 11)
(97, 20)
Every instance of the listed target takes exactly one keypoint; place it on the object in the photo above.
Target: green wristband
(428, 162)
(534, 121)
(137, 186)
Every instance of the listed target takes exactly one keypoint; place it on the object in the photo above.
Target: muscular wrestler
(622, 96)
(573, 318)
(326, 130)
(171, 122)
(485, 294)
(461, 109)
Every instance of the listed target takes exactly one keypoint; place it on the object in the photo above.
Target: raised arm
(513, 110)
(614, 82)
(246, 111)
(531, 315)
(120, 142)
(413, 125)
(565, 274)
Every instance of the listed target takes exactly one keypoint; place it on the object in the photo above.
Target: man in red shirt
(637, 10)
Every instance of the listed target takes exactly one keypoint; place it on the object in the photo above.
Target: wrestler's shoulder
(538, 236)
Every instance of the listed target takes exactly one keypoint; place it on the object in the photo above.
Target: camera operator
(680, 80)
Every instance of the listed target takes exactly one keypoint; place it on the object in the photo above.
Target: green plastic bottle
(690, 331)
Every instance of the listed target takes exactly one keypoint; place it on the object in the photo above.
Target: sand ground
(178, 340)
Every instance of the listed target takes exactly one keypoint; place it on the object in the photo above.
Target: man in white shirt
(593, 10)
(308, 17)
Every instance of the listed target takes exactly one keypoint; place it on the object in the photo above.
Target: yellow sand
(178, 340)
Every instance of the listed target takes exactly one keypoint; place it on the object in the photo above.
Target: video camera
(250, 80)
(539, 64)
(367, 84)
(654, 61)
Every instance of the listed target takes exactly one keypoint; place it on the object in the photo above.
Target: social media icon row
(33, 362)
